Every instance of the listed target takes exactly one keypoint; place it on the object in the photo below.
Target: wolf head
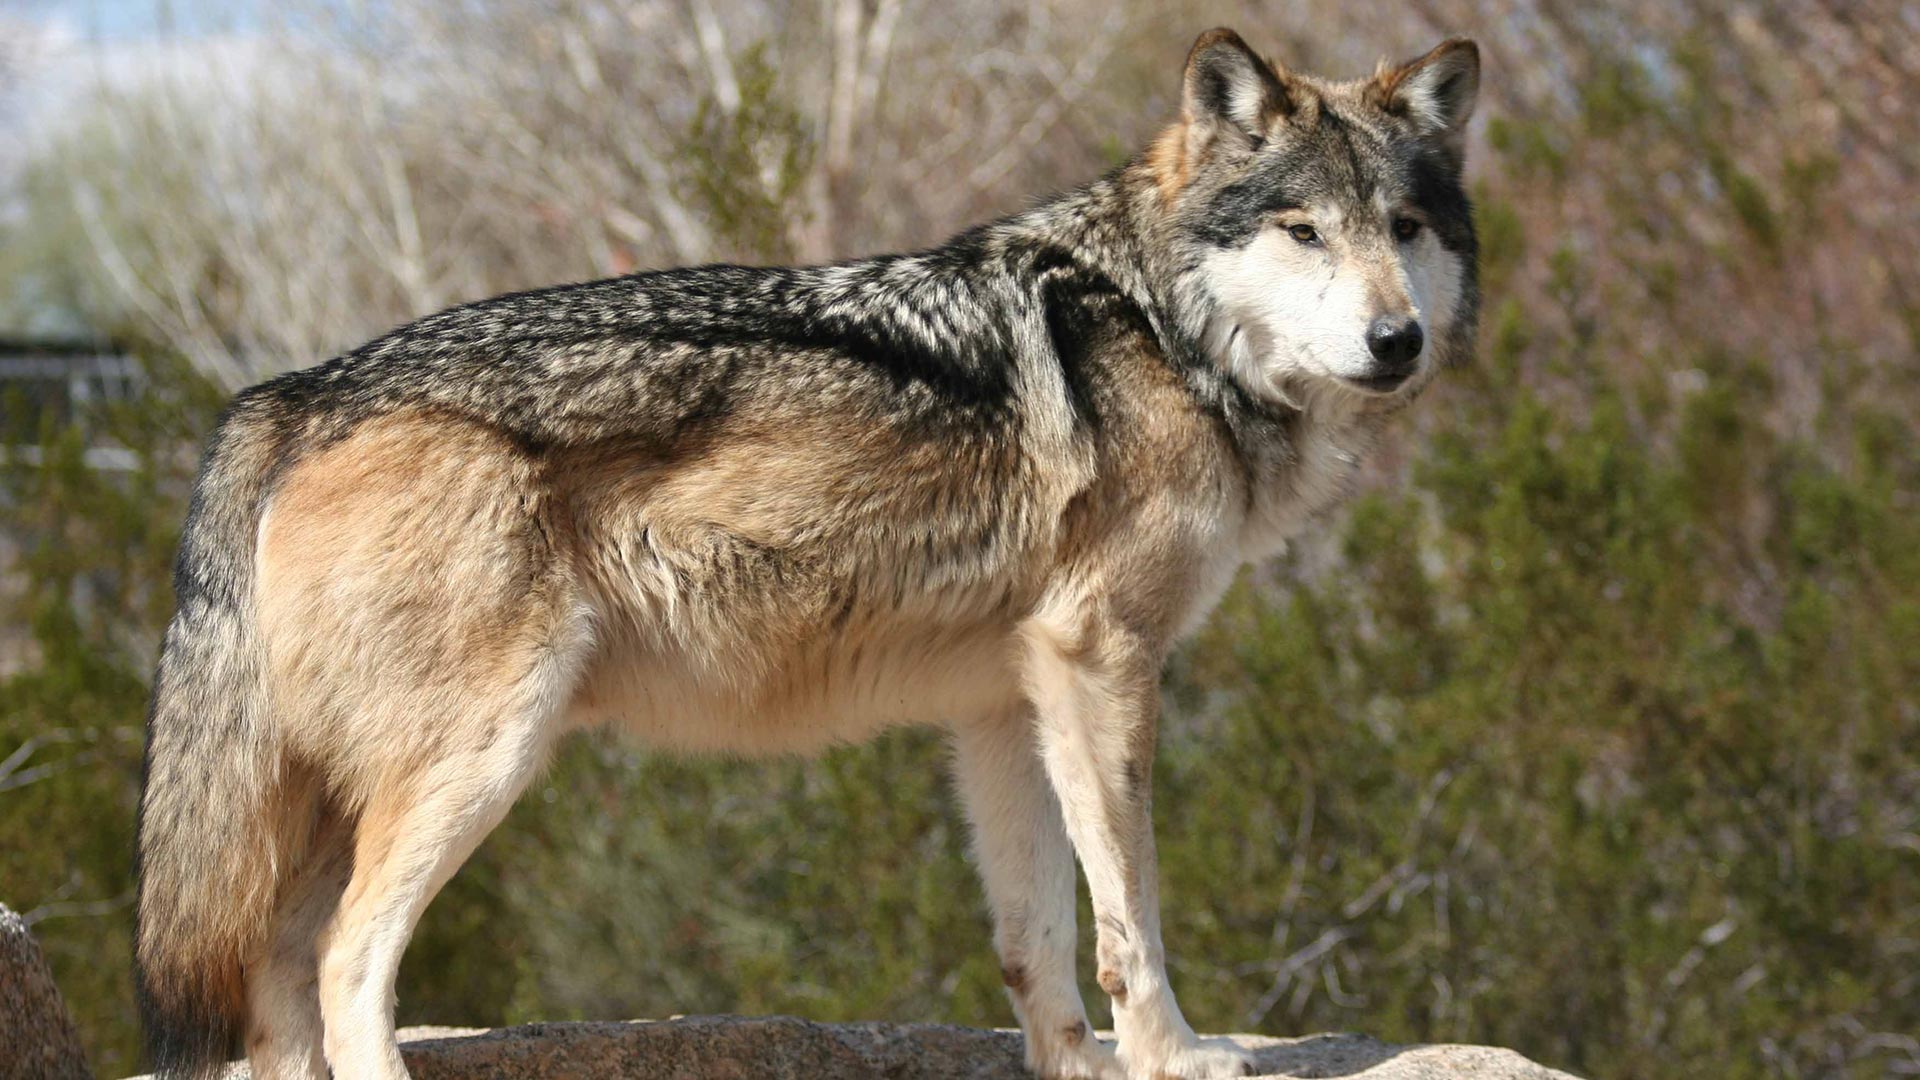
(1325, 240)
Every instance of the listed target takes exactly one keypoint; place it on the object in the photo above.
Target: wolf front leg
(1095, 687)
(1026, 864)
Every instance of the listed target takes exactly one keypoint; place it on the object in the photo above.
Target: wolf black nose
(1395, 340)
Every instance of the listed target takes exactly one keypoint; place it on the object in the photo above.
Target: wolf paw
(1204, 1059)
(1086, 1058)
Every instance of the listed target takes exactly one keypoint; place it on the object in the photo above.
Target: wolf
(986, 486)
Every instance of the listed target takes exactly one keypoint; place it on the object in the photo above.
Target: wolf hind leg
(408, 844)
(416, 830)
(1026, 864)
(285, 1033)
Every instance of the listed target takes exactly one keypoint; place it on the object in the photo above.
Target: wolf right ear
(1232, 97)
(1435, 92)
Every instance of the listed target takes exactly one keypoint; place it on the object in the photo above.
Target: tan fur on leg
(1026, 865)
(1095, 686)
(284, 1036)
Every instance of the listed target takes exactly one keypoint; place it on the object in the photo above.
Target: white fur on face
(1435, 278)
(1293, 315)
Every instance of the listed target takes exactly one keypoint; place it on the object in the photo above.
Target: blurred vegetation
(1592, 732)
(90, 584)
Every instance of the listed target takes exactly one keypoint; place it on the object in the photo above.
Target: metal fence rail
(63, 378)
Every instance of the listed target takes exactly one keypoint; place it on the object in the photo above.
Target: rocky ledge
(37, 1037)
(782, 1048)
(38, 1042)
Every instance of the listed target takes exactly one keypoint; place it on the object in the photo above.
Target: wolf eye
(1306, 234)
(1405, 228)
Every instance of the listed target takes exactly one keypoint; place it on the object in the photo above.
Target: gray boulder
(37, 1038)
(782, 1048)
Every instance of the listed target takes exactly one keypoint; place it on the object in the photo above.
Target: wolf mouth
(1380, 384)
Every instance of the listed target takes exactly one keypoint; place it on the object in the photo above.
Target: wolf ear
(1232, 96)
(1435, 92)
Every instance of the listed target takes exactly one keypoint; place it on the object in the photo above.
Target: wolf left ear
(1435, 92)
(1231, 96)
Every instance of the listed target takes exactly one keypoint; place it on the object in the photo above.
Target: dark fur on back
(931, 342)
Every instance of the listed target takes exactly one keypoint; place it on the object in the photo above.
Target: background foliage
(1591, 731)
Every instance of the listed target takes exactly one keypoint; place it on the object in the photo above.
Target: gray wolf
(987, 487)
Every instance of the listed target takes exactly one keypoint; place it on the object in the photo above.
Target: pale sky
(125, 20)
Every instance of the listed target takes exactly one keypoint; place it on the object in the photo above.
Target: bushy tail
(211, 848)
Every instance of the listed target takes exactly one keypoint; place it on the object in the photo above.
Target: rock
(37, 1038)
(782, 1048)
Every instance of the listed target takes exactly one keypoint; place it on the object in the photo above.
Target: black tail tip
(187, 1037)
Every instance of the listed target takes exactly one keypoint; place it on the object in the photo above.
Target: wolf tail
(213, 846)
